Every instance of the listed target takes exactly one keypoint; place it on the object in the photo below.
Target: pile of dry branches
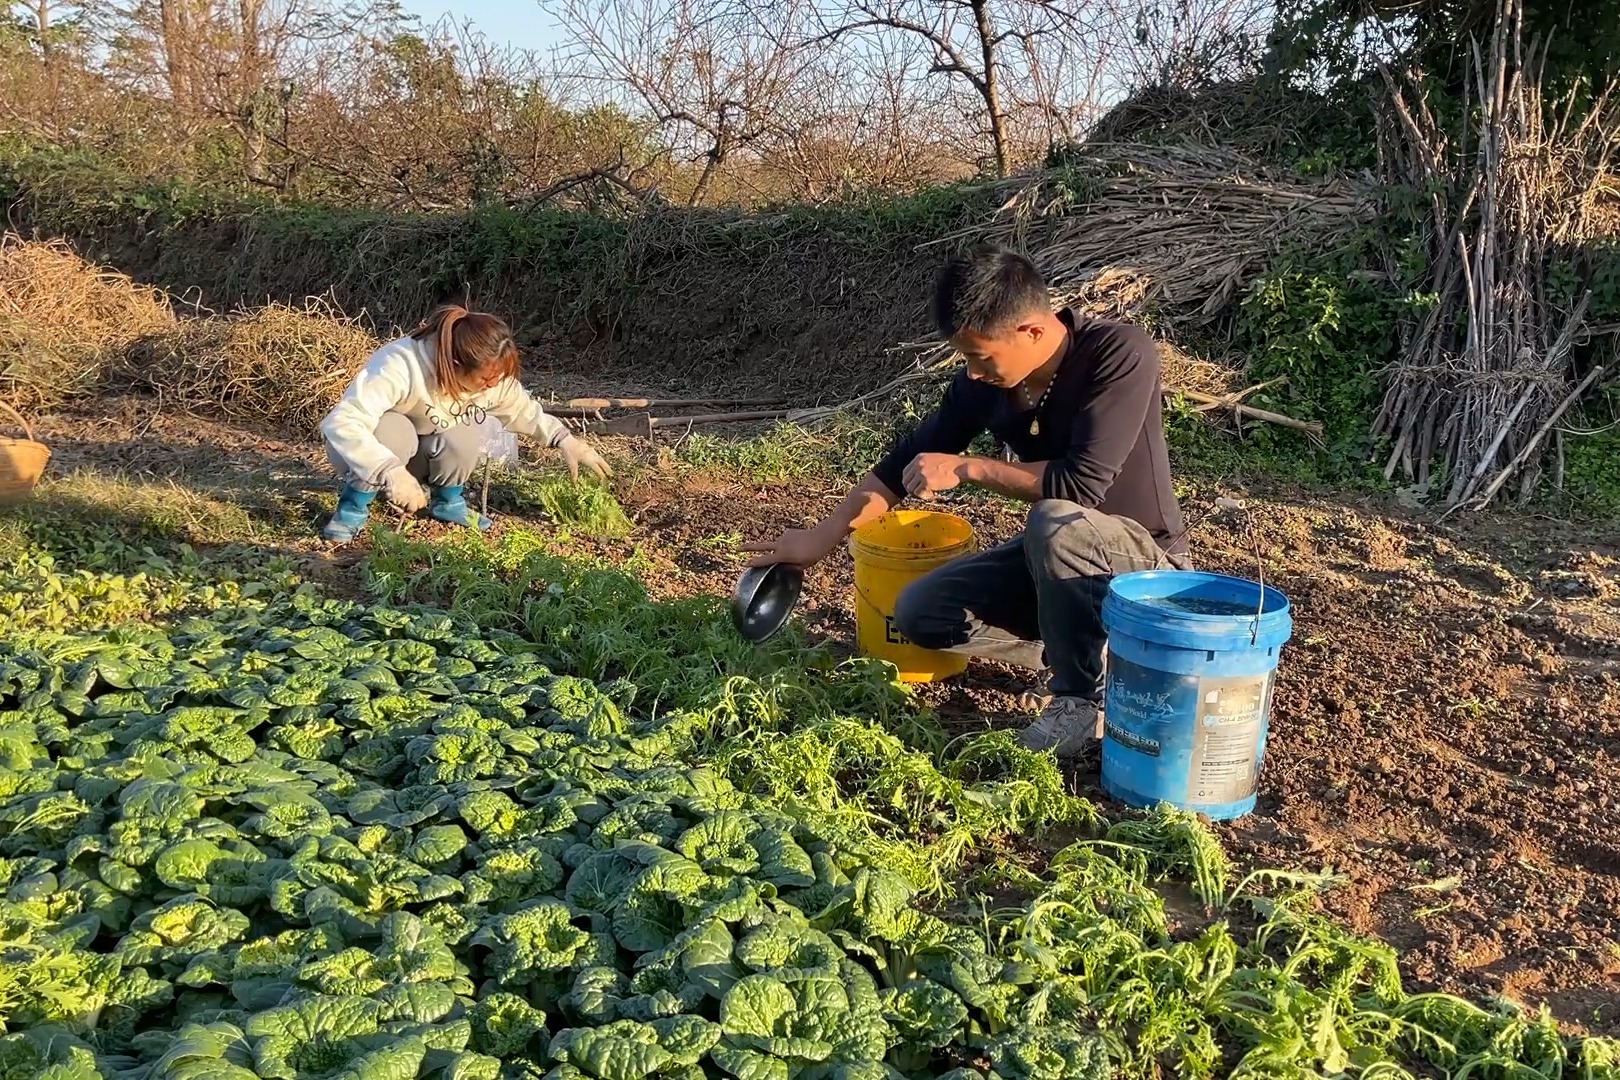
(1251, 115)
(1487, 373)
(1211, 387)
(1183, 229)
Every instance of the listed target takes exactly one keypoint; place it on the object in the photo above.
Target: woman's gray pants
(445, 458)
(1035, 601)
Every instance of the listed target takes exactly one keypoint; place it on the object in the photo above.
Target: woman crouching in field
(409, 417)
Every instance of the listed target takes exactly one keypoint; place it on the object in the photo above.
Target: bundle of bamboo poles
(1487, 372)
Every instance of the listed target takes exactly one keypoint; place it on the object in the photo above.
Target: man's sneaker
(1036, 695)
(1068, 726)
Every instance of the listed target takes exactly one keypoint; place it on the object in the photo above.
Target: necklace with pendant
(1035, 421)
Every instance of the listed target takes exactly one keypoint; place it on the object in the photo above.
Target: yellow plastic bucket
(890, 553)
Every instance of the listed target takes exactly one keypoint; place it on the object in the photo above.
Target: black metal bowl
(764, 599)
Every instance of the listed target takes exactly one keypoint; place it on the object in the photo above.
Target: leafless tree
(441, 119)
(711, 73)
(981, 43)
(49, 91)
(1189, 44)
(1066, 81)
(862, 120)
(231, 61)
(44, 19)
(706, 101)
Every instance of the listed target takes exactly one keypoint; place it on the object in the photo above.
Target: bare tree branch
(972, 41)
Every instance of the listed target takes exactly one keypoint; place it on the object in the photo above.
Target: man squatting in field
(410, 418)
(1077, 400)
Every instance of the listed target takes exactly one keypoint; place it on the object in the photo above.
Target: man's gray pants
(439, 459)
(1035, 601)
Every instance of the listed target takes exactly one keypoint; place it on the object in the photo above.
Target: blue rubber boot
(450, 505)
(353, 508)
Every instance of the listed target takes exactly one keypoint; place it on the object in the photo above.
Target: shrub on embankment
(804, 302)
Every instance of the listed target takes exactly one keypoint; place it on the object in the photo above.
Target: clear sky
(509, 22)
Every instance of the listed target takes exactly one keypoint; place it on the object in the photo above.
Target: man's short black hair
(988, 290)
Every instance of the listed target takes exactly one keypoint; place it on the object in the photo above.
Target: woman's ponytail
(445, 367)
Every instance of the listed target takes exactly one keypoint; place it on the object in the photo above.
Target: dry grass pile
(280, 365)
(1185, 373)
(69, 327)
(63, 321)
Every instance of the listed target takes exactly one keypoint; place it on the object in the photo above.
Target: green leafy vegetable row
(297, 838)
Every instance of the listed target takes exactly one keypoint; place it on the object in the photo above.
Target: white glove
(579, 455)
(403, 490)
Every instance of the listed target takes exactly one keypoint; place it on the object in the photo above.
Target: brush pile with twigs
(1180, 229)
(1175, 233)
(1489, 369)
(278, 364)
(1257, 116)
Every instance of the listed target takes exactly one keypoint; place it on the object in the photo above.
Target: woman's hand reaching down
(403, 490)
(580, 455)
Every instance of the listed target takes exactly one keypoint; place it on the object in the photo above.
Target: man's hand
(403, 490)
(929, 474)
(802, 548)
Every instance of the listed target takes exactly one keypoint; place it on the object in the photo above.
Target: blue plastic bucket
(1191, 662)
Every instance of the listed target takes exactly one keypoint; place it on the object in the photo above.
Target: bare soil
(1446, 730)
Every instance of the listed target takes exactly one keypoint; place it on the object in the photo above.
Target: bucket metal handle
(1253, 536)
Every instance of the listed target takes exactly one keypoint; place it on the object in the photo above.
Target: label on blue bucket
(1226, 755)
(1193, 741)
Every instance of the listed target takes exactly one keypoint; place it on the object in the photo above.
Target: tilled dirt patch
(1445, 736)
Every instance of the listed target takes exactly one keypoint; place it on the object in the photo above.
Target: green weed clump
(842, 447)
(598, 620)
(586, 507)
(1327, 324)
(1592, 458)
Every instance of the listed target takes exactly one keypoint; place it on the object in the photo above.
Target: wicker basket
(22, 461)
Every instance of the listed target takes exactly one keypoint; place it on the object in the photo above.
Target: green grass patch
(89, 508)
(842, 448)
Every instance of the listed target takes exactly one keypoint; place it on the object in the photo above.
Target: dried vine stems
(1488, 370)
